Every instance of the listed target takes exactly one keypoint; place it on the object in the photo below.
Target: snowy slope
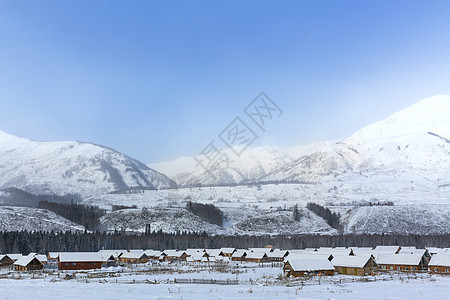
(34, 219)
(404, 219)
(71, 167)
(237, 221)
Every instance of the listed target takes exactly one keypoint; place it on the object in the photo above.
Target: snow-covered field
(254, 283)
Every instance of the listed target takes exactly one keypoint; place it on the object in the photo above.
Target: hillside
(34, 219)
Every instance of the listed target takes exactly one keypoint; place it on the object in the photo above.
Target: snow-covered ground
(254, 283)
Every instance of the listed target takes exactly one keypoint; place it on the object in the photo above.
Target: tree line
(43, 242)
(207, 212)
(88, 216)
(332, 219)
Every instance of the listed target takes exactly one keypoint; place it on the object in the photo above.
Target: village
(323, 261)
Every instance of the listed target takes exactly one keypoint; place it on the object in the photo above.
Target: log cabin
(440, 264)
(305, 266)
(28, 263)
(355, 265)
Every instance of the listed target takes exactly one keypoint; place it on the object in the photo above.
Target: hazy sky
(158, 80)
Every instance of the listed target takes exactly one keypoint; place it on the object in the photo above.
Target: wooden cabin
(355, 265)
(5, 260)
(403, 262)
(258, 257)
(440, 264)
(174, 255)
(304, 267)
(28, 263)
(134, 257)
(79, 260)
(277, 255)
(238, 255)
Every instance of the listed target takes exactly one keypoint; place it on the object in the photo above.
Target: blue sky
(158, 80)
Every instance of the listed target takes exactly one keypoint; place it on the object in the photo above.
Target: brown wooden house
(403, 262)
(440, 264)
(258, 257)
(238, 255)
(306, 266)
(5, 260)
(134, 257)
(28, 263)
(79, 260)
(355, 265)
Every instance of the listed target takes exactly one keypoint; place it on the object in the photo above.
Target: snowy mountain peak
(71, 167)
(428, 115)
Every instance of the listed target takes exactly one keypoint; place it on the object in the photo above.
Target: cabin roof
(25, 260)
(309, 265)
(440, 259)
(350, 261)
(80, 257)
(412, 259)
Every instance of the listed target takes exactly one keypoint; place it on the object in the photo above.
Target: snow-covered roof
(435, 250)
(265, 250)
(53, 255)
(306, 255)
(115, 253)
(212, 259)
(214, 252)
(80, 257)
(390, 249)
(410, 259)
(189, 259)
(174, 253)
(440, 259)
(134, 255)
(227, 250)
(25, 260)
(153, 253)
(277, 253)
(195, 252)
(14, 256)
(309, 265)
(239, 253)
(41, 257)
(350, 261)
(256, 255)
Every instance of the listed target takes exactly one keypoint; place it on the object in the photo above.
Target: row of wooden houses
(366, 261)
(326, 261)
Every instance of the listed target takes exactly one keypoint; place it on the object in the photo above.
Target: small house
(440, 264)
(355, 265)
(79, 260)
(28, 263)
(134, 257)
(258, 257)
(238, 255)
(5, 260)
(403, 262)
(302, 267)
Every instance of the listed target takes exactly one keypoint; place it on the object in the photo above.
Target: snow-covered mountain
(411, 146)
(71, 167)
